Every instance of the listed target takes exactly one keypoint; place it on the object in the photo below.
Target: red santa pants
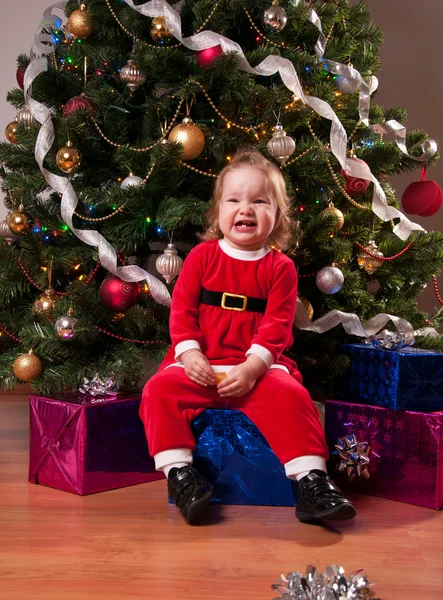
(278, 405)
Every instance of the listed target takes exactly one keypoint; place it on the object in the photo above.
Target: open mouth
(245, 225)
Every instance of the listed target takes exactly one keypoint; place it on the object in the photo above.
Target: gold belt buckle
(227, 294)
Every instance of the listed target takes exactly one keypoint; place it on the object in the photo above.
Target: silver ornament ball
(5, 232)
(131, 181)
(169, 264)
(274, 18)
(372, 82)
(25, 118)
(132, 76)
(281, 146)
(347, 85)
(65, 327)
(330, 280)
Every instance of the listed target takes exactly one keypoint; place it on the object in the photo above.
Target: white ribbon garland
(43, 45)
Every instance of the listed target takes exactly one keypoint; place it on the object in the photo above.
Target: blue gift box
(407, 379)
(235, 457)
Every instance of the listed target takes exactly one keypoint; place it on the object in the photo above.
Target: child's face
(247, 210)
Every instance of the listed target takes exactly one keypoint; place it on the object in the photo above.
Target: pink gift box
(85, 444)
(406, 451)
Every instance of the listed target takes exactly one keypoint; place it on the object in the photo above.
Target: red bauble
(423, 198)
(119, 295)
(20, 76)
(205, 57)
(79, 103)
(356, 185)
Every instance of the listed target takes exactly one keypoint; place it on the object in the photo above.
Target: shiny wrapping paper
(85, 444)
(233, 455)
(407, 379)
(406, 457)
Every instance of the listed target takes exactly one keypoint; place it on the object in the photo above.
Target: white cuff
(186, 345)
(262, 353)
(304, 463)
(171, 457)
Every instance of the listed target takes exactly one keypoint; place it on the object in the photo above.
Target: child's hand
(239, 381)
(197, 367)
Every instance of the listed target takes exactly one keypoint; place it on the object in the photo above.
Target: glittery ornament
(369, 263)
(46, 303)
(132, 76)
(66, 325)
(19, 222)
(27, 367)
(119, 295)
(307, 306)
(5, 232)
(79, 25)
(346, 84)
(274, 17)
(25, 118)
(131, 181)
(190, 137)
(338, 217)
(68, 158)
(330, 280)
(169, 264)
(281, 146)
(159, 32)
(354, 457)
(332, 584)
(356, 185)
(79, 103)
(10, 132)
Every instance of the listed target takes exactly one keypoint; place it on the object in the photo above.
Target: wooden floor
(130, 543)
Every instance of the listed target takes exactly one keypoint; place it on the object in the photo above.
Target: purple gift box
(85, 444)
(405, 452)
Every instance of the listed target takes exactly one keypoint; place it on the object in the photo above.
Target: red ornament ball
(423, 198)
(207, 56)
(20, 76)
(356, 185)
(79, 103)
(119, 295)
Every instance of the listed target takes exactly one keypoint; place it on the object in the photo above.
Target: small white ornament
(25, 118)
(281, 146)
(346, 84)
(169, 264)
(131, 181)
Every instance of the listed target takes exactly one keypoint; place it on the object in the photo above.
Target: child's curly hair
(283, 223)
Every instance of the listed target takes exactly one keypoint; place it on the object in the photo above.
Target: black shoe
(189, 490)
(319, 498)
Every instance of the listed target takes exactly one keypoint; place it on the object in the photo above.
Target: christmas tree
(127, 115)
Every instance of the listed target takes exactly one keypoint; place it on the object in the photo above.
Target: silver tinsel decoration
(330, 280)
(98, 386)
(132, 76)
(131, 181)
(169, 264)
(330, 585)
(274, 18)
(281, 146)
(347, 85)
(5, 232)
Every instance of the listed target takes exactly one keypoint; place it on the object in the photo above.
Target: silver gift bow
(276, 64)
(43, 46)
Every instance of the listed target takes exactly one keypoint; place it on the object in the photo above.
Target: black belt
(233, 301)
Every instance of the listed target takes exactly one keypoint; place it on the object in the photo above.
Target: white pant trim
(304, 463)
(170, 457)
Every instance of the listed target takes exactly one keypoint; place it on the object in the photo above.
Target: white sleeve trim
(262, 353)
(186, 345)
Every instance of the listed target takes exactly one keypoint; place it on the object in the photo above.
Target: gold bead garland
(191, 168)
(262, 35)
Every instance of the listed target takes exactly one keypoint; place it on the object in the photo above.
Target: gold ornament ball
(10, 132)
(46, 303)
(27, 367)
(308, 307)
(68, 158)
(79, 24)
(159, 32)
(337, 215)
(19, 222)
(190, 137)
